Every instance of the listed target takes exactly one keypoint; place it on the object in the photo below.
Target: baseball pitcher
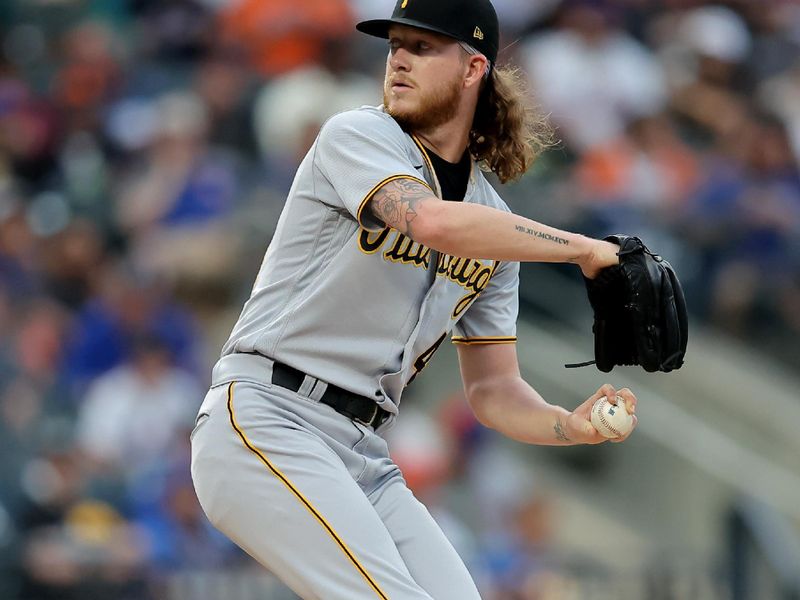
(391, 241)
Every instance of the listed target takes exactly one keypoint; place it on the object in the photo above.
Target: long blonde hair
(508, 132)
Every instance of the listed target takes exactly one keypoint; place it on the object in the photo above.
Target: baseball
(611, 421)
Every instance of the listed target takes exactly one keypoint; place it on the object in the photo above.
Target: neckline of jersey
(437, 187)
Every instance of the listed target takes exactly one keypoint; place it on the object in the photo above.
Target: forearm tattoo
(541, 234)
(561, 435)
(396, 203)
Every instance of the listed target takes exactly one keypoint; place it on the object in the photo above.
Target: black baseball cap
(471, 21)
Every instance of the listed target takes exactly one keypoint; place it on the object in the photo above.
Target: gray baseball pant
(316, 499)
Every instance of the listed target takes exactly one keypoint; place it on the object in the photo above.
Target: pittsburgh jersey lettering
(469, 273)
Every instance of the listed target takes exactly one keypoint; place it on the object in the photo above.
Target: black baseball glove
(639, 311)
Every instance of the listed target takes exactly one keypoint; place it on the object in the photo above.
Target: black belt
(355, 407)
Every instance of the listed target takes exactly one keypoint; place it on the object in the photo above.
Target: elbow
(430, 226)
(480, 402)
(492, 399)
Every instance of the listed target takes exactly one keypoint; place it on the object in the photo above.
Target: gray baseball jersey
(356, 304)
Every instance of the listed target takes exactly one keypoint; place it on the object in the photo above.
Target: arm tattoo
(395, 203)
(561, 435)
(541, 234)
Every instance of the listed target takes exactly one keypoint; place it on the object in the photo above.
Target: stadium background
(146, 147)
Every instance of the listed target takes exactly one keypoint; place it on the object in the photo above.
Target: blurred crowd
(146, 147)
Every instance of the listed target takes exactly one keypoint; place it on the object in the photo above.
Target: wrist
(562, 429)
(601, 254)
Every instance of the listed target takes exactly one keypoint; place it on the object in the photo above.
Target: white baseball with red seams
(611, 421)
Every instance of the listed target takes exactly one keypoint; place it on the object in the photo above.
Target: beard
(434, 108)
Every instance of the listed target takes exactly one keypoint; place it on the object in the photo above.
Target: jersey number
(424, 358)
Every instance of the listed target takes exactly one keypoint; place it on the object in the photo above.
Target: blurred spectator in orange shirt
(89, 75)
(281, 36)
(650, 167)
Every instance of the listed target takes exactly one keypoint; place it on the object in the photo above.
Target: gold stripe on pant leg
(275, 471)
